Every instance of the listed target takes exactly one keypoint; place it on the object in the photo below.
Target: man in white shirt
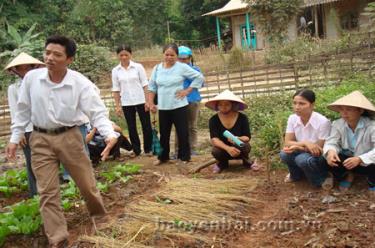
(54, 99)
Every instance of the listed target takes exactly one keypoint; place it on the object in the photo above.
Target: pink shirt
(317, 128)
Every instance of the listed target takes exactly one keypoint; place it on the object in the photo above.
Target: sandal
(255, 166)
(158, 162)
(345, 184)
(216, 169)
(328, 182)
(288, 179)
(372, 191)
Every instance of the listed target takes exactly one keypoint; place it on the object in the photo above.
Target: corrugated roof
(309, 3)
(232, 5)
(238, 5)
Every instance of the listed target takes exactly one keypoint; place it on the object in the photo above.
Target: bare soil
(283, 214)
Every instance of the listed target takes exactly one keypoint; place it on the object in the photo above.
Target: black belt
(52, 131)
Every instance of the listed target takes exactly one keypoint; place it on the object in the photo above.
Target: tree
(273, 16)
(17, 42)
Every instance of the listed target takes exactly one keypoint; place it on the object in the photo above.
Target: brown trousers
(48, 151)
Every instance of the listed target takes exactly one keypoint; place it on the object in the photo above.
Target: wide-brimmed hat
(226, 95)
(23, 59)
(354, 99)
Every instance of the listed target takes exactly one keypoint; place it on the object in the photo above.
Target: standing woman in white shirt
(305, 135)
(19, 66)
(129, 86)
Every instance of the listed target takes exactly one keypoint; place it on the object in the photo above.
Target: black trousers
(223, 157)
(340, 172)
(178, 118)
(95, 151)
(130, 117)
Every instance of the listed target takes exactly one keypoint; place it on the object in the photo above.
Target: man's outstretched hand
(111, 142)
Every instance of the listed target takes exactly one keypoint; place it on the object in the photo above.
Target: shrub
(93, 61)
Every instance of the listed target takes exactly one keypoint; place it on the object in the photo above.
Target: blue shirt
(167, 81)
(194, 95)
(352, 137)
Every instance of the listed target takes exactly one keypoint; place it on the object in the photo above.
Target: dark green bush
(93, 61)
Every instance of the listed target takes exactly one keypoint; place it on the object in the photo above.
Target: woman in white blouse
(129, 86)
(305, 135)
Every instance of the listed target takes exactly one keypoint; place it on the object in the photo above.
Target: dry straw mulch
(184, 211)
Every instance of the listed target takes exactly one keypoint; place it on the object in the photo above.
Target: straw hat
(354, 99)
(226, 95)
(23, 59)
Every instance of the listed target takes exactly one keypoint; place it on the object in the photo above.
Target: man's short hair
(69, 44)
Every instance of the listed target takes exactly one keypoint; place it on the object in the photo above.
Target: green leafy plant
(13, 181)
(20, 218)
(121, 172)
(369, 12)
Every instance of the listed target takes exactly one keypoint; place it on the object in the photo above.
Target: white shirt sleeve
(290, 125)
(324, 130)
(333, 142)
(115, 82)
(12, 101)
(93, 106)
(142, 75)
(23, 113)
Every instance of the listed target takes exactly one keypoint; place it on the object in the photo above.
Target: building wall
(330, 22)
(292, 29)
(239, 20)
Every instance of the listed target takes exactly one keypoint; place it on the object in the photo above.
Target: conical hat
(354, 99)
(23, 59)
(226, 95)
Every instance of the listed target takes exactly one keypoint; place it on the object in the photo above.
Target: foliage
(13, 181)
(236, 58)
(93, 61)
(369, 12)
(104, 22)
(21, 218)
(120, 172)
(17, 43)
(305, 46)
(191, 25)
(273, 16)
(70, 195)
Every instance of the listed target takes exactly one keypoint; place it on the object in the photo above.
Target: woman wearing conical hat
(19, 66)
(351, 144)
(228, 118)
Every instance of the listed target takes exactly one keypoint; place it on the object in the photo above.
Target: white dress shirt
(52, 105)
(317, 128)
(130, 82)
(13, 92)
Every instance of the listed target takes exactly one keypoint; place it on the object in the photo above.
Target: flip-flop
(345, 185)
(255, 166)
(288, 179)
(372, 188)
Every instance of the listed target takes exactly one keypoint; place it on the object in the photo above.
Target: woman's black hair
(309, 95)
(171, 45)
(124, 47)
(368, 114)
